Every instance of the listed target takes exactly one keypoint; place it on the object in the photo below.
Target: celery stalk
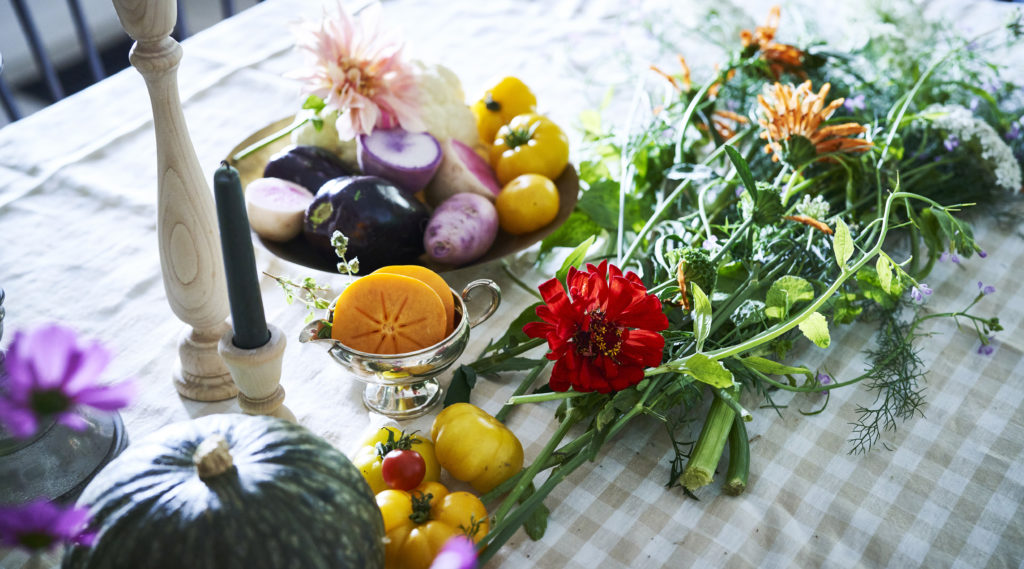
(700, 470)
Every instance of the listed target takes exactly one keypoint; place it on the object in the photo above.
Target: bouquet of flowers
(794, 190)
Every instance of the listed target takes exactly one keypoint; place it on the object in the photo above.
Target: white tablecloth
(78, 245)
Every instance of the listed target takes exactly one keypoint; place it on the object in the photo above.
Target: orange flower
(779, 56)
(786, 112)
(724, 122)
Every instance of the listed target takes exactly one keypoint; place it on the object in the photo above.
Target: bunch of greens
(760, 218)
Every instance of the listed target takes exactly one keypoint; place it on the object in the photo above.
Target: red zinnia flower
(603, 333)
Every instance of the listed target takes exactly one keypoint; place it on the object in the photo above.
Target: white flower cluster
(816, 208)
(961, 123)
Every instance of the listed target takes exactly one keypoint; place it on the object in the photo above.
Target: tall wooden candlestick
(190, 256)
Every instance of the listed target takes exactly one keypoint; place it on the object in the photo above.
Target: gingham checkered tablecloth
(77, 243)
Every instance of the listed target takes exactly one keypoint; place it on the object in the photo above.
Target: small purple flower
(854, 103)
(919, 292)
(951, 143)
(711, 243)
(50, 374)
(824, 379)
(458, 553)
(974, 104)
(983, 254)
(947, 256)
(1014, 131)
(986, 348)
(42, 525)
(986, 289)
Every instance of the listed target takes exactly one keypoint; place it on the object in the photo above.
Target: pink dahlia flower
(358, 70)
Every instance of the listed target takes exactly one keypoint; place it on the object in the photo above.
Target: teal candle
(247, 316)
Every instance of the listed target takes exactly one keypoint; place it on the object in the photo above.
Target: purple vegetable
(307, 166)
(406, 159)
(383, 225)
(462, 229)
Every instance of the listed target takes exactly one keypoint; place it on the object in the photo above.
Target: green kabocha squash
(231, 492)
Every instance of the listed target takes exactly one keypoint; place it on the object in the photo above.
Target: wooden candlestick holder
(190, 256)
(257, 372)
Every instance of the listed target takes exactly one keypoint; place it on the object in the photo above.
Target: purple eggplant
(383, 225)
(307, 166)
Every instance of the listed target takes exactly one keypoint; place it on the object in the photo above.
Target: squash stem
(700, 470)
(737, 475)
(268, 140)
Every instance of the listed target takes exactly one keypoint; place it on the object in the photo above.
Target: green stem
(483, 365)
(542, 397)
(571, 417)
(736, 235)
(267, 141)
(700, 469)
(523, 386)
(738, 474)
(515, 278)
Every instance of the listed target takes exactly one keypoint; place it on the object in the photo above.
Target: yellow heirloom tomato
(527, 203)
(529, 144)
(506, 99)
(371, 453)
(475, 447)
(418, 523)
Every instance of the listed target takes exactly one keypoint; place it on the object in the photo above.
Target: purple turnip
(406, 159)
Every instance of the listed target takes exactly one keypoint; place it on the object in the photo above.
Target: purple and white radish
(406, 159)
(462, 170)
(461, 230)
(276, 207)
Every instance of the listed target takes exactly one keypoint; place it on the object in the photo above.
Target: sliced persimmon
(383, 313)
(434, 281)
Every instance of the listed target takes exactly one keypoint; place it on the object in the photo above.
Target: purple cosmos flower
(986, 289)
(49, 374)
(919, 292)
(854, 103)
(41, 525)
(457, 553)
(951, 143)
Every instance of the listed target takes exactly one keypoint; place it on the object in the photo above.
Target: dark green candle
(247, 316)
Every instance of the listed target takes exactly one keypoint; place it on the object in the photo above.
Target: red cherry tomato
(403, 469)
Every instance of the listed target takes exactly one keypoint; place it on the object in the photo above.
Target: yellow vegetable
(475, 447)
(506, 99)
(527, 203)
(418, 523)
(371, 453)
(529, 144)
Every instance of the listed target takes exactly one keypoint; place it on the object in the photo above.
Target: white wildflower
(961, 123)
(816, 208)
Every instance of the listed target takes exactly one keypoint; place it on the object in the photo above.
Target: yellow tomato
(529, 144)
(506, 99)
(475, 447)
(369, 456)
(418, 523)
(527, 203)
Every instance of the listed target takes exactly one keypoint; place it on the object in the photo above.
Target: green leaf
(884, 269)
(590, 121)
(601, 202)
(743, 170)
(605, 416)
(784, 294)
(815, 327)
(842, 243)
(772, 367)
(463, 381)
(313, 103)
(709, 371)
(513, 364)
(846, 309)
(575, 258)
(537, 522)
(701, 316)
(576, 228)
